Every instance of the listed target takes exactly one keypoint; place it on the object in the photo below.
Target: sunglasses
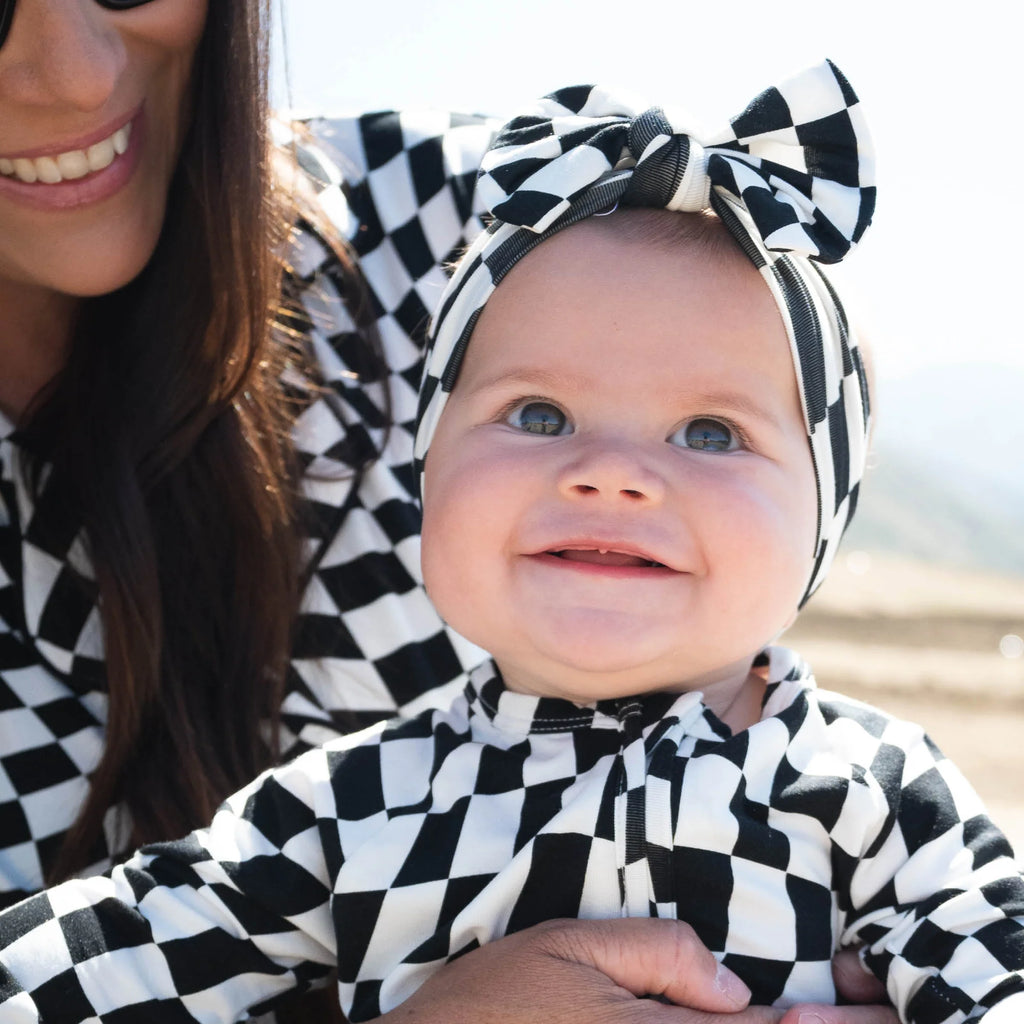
(7, 12)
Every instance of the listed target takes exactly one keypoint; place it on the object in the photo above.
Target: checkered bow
(792, 178)
(798, 158)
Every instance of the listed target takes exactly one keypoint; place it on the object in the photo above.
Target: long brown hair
(168, 430)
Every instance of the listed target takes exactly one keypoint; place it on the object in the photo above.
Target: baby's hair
(671, 230)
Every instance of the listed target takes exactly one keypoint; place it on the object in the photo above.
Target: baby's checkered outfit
(368, 642)
(826, 824)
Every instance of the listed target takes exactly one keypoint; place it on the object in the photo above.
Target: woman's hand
(856, 984)
(591, 972)
(853, 981)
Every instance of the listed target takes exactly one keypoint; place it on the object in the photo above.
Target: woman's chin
(85, 279)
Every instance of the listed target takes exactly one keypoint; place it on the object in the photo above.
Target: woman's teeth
(76, 163)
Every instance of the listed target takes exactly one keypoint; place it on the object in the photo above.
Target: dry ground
(924, 643)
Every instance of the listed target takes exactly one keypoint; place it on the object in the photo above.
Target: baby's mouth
(596, 556)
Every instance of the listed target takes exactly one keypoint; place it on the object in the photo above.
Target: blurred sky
(936, 276)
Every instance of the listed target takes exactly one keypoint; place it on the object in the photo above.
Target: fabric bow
(799, 159)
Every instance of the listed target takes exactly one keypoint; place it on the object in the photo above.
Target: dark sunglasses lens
(6, 13)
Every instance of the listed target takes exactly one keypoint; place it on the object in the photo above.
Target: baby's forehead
(601, 297)
(694, 259)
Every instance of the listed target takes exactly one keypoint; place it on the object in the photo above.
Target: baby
(642, 429)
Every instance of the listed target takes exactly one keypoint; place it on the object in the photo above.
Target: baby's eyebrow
(735, 401)
(533, 378)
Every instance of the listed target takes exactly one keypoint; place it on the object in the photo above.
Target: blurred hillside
(946, 478)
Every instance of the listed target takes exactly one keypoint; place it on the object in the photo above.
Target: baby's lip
(598, 557)
(615, 553)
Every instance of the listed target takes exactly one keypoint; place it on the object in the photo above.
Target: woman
(208, 546)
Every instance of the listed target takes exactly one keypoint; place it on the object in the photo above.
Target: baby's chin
(591, 680)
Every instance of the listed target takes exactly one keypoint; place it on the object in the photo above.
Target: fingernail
(730, 985)
(810, 1018)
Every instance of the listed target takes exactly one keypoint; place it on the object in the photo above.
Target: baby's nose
(612, 471)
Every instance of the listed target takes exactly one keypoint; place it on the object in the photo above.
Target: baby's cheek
(430, 556)
(454, 542)
(444, 577)
(767, 528)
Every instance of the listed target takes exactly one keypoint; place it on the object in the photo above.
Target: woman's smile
(74, 176)
(67, 162)
(96, 106)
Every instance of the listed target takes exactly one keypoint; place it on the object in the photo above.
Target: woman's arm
(592, 972)
(573, 972)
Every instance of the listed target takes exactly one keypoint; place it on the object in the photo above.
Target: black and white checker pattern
(388, 853)
(368, 644)
(792, 177)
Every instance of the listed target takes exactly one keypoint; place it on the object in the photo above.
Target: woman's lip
(81, 192)
(80, 142)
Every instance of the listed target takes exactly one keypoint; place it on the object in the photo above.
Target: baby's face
(619, 497)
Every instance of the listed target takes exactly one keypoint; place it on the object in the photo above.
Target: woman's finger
(840, 1015)
(853, 981)
(649, 957)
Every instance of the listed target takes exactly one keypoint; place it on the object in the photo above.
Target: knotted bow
(792, 178)
(799, 159)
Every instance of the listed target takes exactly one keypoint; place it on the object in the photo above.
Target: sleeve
(398, 189)
(935, 897)
(205, 928)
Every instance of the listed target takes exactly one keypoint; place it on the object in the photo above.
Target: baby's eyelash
(510, 406)
(738, 432)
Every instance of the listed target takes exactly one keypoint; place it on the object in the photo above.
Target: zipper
(631, 812)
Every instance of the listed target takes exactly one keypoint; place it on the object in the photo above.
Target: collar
(523, 714)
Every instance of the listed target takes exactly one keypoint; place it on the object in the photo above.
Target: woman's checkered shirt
(368, 642)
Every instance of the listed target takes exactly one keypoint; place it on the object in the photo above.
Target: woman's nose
(63, 53)
(612, 471)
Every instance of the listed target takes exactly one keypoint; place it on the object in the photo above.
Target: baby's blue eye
(705, 435)
(539, 418)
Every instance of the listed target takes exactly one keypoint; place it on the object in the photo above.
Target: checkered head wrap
(792, 178)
